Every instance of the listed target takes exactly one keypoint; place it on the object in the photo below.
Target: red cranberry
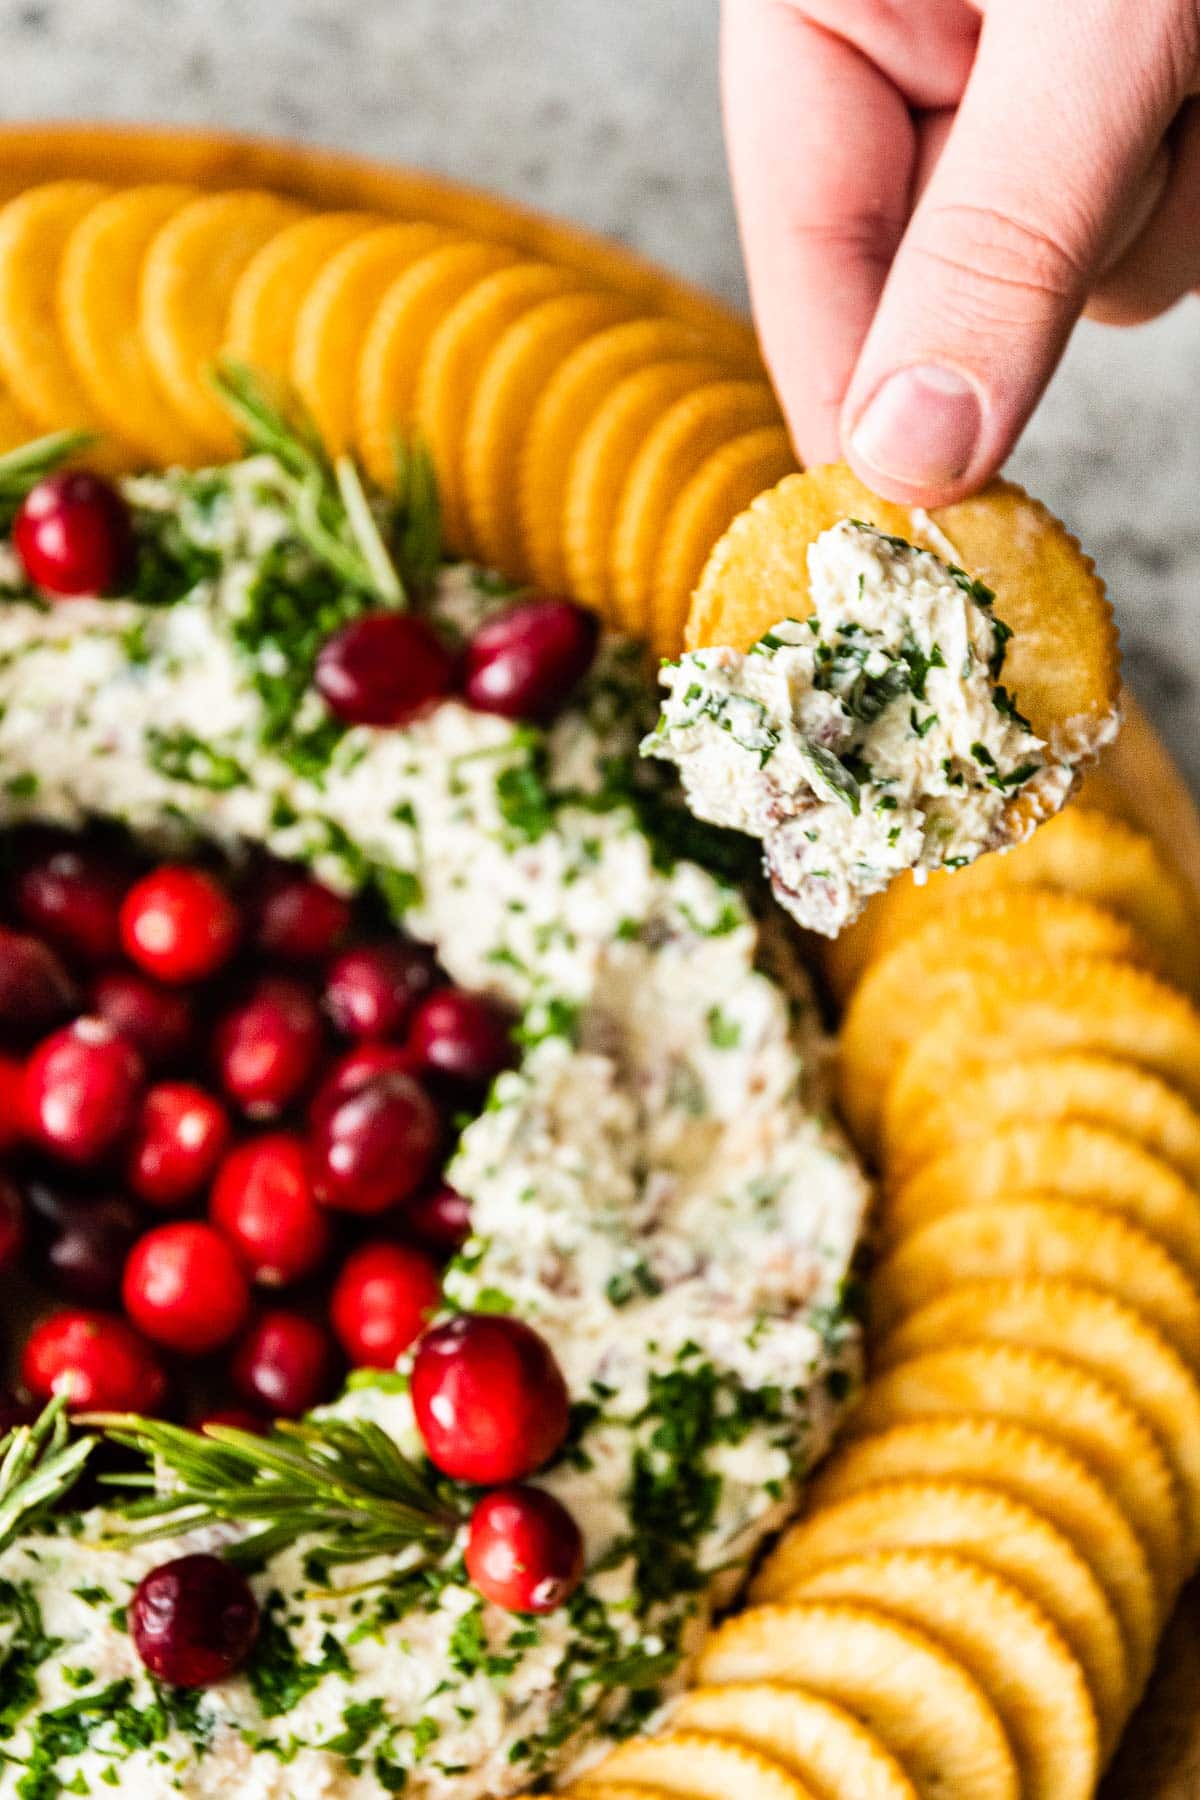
(370, 991)
(489, 1398)
(524, 1550)
(74, 535)
(12, 1225)
(267, 1047)
(356, 1069)
(178, 1140)
(80, 1091)
(73, 897)
(184, 1288)
(384, 669)
(283, 1364)
(94, 1358)
(262, 1201)
(35, 990)
(297, 917)
(179, 924)
(83, 1240)
(12, 1112)
(524, 662)
(382, 1301)
(193, 1620)
(156, 1020)
(374, 1148)
(234, 1418)
(441, 1219)
(461, 1035)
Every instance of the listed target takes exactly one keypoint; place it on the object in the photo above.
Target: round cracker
(723, 486)
(189, 274)
(920, 1703)
(1003, 1640)
(99, 294)
(1056, 1088)
(336, 316)
(697, 1767)
(1037, 1235)
(395, 345)
(600, 464)
(760, 565)
(822, 1744)
(35, 229)
(684, 437)
(1074, 1160)
(560, 417)
(516, 371)
(1087, 1327)
(1078, 1004)
(987, 1527)
(274, 285)
(1079, 852)
(1026, 1465)
(451, 367)
(1063, 663)
(1047, 1393)
(941, 960)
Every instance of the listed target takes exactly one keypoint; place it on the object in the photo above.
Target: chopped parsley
(279, 1678)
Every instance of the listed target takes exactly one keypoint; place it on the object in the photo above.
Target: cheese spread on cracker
(873, 737)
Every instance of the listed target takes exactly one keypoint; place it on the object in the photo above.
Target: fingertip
(918, 437)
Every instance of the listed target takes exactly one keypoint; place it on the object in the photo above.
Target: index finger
(821, 154)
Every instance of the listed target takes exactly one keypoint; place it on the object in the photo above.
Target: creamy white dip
(874, 737)
(657, 1187)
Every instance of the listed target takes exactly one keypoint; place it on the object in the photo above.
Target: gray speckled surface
(606, 110)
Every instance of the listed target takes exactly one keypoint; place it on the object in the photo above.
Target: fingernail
(921, 426)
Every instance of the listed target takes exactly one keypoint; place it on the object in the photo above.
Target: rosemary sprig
(39, 1465)
(390, 553)
(22, 468)
(342, 1482)
(417, 523)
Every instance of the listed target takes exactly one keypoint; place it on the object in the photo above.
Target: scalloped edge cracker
(1046, 1393)
(1027, 1465)
(1068, 1158)
(922, 1705)
(1063, 663)
(987, 1527)
(1036, 1235)
(821, 1743)
(940, 960)
(1092, 1328)
(1059, 1087)
(1002, 1638)
(698, 1767)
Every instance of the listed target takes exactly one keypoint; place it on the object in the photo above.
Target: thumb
(1062, 115)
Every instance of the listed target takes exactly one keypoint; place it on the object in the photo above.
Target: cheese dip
(873, 737)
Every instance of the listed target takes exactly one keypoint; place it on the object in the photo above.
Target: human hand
(931, 192)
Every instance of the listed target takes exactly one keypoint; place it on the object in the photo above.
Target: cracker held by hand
(869, 689)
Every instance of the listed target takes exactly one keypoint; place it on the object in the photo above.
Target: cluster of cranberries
(204, 1095)
(200, 1091)
(74, 535)
(208, 1095)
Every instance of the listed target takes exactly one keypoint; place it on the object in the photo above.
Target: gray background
(606, 110)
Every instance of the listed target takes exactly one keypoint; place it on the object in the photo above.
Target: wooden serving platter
(1160, 1758)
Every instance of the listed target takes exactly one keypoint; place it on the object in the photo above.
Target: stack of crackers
(581, 441)
(1018, 1493)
